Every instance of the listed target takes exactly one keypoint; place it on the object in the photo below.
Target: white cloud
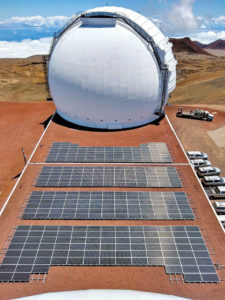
(24, 48)
(219, 20)
(207, 37)
(181, 16)
(199, 18)
(180, 21)
(36, 21)
(211, 23)
(157, 21)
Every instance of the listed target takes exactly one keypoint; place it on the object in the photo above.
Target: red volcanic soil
(154, 279)
(218, 45)
(186, 45)
(200, 140)
(20, 127)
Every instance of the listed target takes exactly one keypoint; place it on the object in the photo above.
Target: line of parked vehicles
(209, 175)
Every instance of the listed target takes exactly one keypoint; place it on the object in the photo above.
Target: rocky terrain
(200, 79)
(22, 80)
(200, 73)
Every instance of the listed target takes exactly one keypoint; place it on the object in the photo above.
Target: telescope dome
(111, 68)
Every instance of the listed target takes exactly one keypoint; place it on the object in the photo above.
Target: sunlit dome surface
(102, 295)
(111, 68)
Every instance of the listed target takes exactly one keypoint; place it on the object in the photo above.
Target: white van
(204, 171)
(200, 163)
(197, 155)
(219, 207)
(213, 180)
(217, 192)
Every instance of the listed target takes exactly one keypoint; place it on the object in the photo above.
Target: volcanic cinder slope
(219, 44)
(22, 79)
(200, 79)
(186, 45)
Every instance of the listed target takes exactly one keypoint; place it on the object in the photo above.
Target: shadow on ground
(45, 123)
(60, 121)
(17, 176)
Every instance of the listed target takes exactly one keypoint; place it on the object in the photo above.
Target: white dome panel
(104, 74)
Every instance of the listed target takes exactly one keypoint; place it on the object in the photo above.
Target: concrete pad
(218, 136)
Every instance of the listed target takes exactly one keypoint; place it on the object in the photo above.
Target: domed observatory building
(111, 68)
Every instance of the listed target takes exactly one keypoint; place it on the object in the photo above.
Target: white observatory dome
(111, 68)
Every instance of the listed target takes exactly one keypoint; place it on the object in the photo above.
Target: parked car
(200, 163)
(197, 155)
(219, 207)
(204, 171)
(217, 192)
(213, 180)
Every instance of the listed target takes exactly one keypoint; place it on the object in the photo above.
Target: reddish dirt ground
(20, 127)
(132, 137)
(193, 133)
(152, 279)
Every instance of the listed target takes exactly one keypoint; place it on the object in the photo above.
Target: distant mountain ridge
(187, 45)
(218, 45)
(200, 44)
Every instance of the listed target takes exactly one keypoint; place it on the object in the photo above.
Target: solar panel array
(108, 176)
(180, 249)
(108, 205)
(149, 153)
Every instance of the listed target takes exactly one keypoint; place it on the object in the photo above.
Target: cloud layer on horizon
(24, 48)
(207, 37)
(35, 21)
(33, 27)
(26, 36)
(28, 47)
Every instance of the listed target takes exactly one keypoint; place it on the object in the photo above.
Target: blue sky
(10, 8)
(30, 24)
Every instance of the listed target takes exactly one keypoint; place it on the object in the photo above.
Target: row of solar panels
(148, 153)
(108, 205)
(108, 176)
(180, 249)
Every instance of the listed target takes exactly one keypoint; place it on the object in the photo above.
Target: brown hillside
(200, 79)
(200, 44)
(186, 45)
(219, 44)
(22, 79)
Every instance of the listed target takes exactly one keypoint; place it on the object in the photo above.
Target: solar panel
(106, 246)
(107, 205)
(68, 152)
(108, 176)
